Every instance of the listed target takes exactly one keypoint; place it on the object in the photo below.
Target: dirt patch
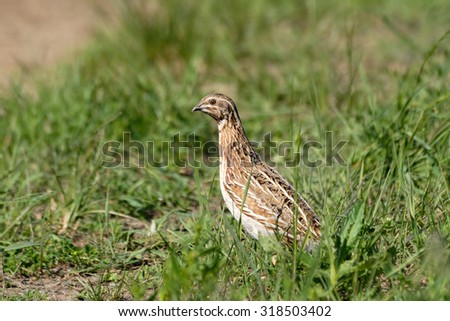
(46, 287)
(39, 33)
(61, 284)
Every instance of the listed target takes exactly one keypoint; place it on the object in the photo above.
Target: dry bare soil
(39, 33)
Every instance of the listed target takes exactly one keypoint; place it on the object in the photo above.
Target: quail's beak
(198, 108)
(205, 108)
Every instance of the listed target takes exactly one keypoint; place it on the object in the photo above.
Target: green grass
(375, 74)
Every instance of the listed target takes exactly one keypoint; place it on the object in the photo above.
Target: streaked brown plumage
(255, 193)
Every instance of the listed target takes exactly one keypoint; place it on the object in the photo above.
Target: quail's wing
(264, 195)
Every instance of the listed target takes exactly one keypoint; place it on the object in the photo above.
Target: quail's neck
(234, 145)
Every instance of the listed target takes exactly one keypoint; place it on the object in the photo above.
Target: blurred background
(38, 33)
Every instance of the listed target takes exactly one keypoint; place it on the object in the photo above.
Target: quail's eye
(212, 101)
